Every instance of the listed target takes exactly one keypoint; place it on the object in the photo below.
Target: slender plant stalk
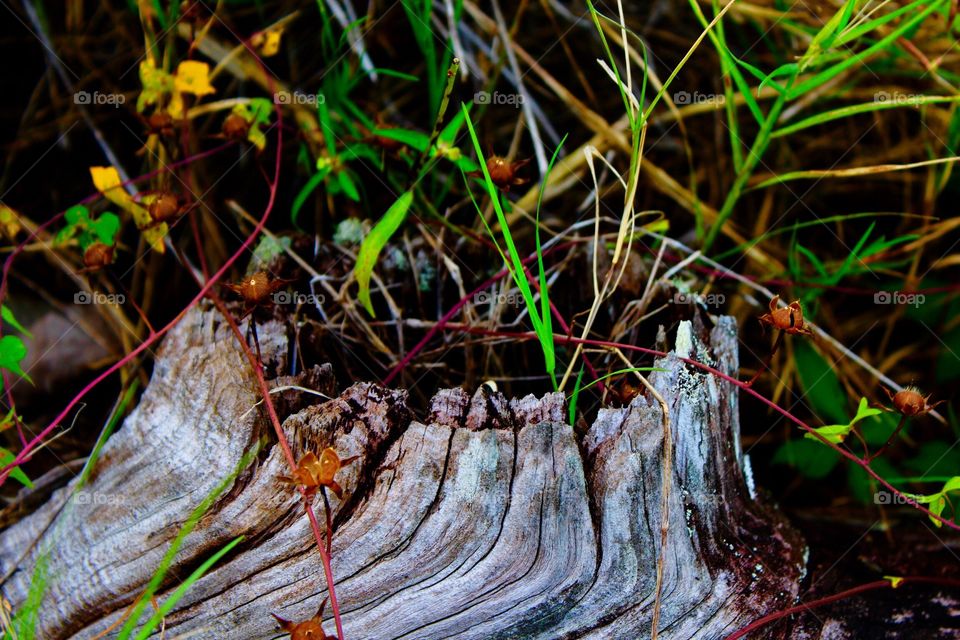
(287, 454)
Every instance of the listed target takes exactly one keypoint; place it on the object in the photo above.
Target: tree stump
(487, 519)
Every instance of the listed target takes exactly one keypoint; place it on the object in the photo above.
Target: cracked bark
(486, 520)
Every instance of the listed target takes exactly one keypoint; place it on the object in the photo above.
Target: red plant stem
(893, 436)
(25, 453)
(870, 586)
(864, 464)
(8, 264)
(766, 363)
(255, 363)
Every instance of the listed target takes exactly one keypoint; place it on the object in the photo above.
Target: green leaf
(9, 318)
(106, 227)
(12, 352)
(514, 263)
(75, 214)
(811, 459)
(305, 192)
(864, 410)
(374, 243)
(415, 139)
(188, 526)
(835, 433)
(886, 41)
(6, 457)
(953, 484)
(349, 188)
(936, 458)
(820, 383)
(256, 113)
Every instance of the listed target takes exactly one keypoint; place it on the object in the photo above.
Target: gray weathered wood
(488, 519)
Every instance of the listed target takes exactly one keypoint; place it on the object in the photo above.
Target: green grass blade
(514, 264)
(545, 312)
(849, 61)
(846, 112)
(175, 597)
(185, 530)
(27, 616)
(574, 397)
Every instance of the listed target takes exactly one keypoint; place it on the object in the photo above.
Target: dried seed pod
(165, 208)
(160, 123)
(255, 289)
(311, 629)
(788, 319)
(97, 256)
(235, 127)
(313, 472)
(503, 173)
(910, 402)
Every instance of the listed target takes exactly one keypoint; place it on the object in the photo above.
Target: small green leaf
(349, 188)
(864, 410)
(6, 457)
(835, 433)
(374, 243)
(106, 227)
(305, 192)
(953, 484)
(12, 352)
(9, 318)
(256, 113)
(936, 508)
(76, 213)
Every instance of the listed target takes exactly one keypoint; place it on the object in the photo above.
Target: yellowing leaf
(9, 221)
(268, 42)
(107, 181)
(175, 106)
(156, 84)
(895, 581)
(193, 77)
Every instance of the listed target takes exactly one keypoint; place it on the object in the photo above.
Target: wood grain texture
(487, 519)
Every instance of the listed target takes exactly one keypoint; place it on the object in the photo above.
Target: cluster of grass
(708, 151)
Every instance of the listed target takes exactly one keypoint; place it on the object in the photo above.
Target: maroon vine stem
(287, 453)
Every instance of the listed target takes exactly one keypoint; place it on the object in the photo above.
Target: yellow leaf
(155, 235)
(193, 77)
(107, 181)
(156, 84)
(175, 106)
(895, 581)
(268, 42)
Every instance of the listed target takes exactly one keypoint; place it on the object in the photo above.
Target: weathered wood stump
(488, 519)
